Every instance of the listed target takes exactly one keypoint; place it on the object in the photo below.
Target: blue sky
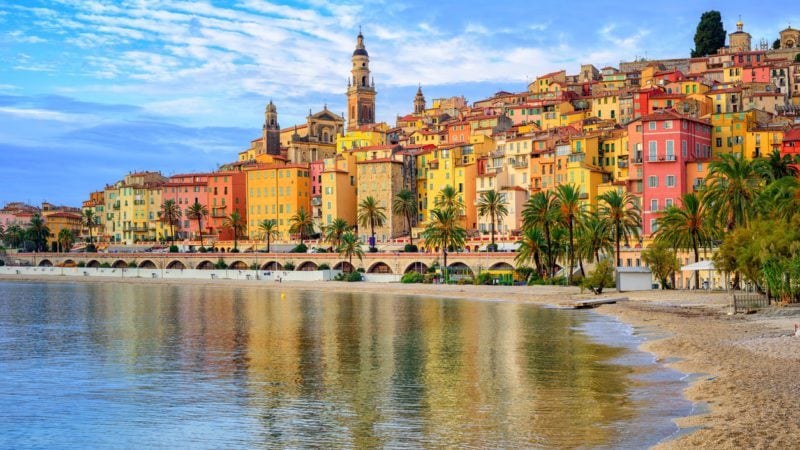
(93, 89)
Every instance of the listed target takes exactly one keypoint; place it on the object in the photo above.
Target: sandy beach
(748, 365)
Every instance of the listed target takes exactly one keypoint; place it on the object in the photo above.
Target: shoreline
(745, 360)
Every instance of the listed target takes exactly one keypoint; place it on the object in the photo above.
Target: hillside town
(648, 128)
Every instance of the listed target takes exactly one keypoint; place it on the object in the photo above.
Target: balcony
(218, 212)
(577, 157)
(622, 164)
(637, 160)
(316, 201)
(519, 163)
(662, 158)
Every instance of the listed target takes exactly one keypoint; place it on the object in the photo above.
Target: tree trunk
(410, 234)
(549, 263)
(372, 228)
(580, 264)
(492, 231)
(696, 260)
(571, 254)
(616, 259)
(200, 231)
(267, 242)
(444, 268)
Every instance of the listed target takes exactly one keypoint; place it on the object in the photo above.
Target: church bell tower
(361, 89)
(271, 130)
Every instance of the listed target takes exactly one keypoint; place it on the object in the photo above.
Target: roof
(792, 135)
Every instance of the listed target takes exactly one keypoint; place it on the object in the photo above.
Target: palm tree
(38, 232)
(778, 166)
(443, 230)
(235, 222)
(492, 204)
(448, 197)
(66, 238)
(270, 229)
(732, 186)
(531, 244)
(171, 214)
(686, 227)
(89, 220)
(622, 214)
(14, 236)
(2, 233)
(349, 246)
(572, 214)
(197, 212)
(302, 223)
(594, 237)
(371, 214)
(335, 231)
(543, 211)
(780, 199)
(404, 204)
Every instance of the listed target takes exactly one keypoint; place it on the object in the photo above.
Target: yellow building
(728, 132)
(60, 220)
(338, 200)
(132, 207)
(382, 178)
(363, 136)
(761, 140)
(95, 204)
(453, 166)
(277, 192)
(606, 106)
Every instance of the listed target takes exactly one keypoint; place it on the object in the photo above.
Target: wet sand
(749, 364)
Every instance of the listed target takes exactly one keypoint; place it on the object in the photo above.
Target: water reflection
(226, 367)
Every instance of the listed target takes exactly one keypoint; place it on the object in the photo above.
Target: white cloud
(20, 36)
(39, 114)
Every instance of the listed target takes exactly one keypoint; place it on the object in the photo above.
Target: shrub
(601, 277)
(463, 281)
(428, 278)
(91, 248)
(412, 277)
(410, 248)
(524, 272)
(201, 249)
(81, 264)
(220, 264)
(300, 248)
(373, 249)
(105, 265)
(484, 278)
(324, 266)
(288, 266)
(360, 270)
(491, 248)
(173, 249)
(253, 266)
(353, 276)
(234, 250)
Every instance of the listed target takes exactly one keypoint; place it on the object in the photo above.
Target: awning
(700, 265)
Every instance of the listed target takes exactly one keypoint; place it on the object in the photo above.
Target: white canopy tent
(707, 265)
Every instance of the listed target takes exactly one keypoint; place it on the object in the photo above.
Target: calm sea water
(143, 366)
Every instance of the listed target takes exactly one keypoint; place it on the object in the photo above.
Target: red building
(791, 142)
(227, 192)
(641, 101)
(185, 190)
(670, 141)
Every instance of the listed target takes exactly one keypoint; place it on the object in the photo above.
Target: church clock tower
(360, 89)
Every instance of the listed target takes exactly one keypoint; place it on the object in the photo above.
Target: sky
(91, 90)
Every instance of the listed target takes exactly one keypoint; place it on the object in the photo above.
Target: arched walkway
(120, 264)
(45, 263)
(380, 267)
(344, 266)
(307, 266)
(417, 267)
(272, 265)
(93, 263)
(147, 264)
(205, 265)
(238, 265)
(502, 266)
(176, 265)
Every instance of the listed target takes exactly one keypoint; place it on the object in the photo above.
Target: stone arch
(147, 264)
(307, 266)
(176, 264)
(93, 263)
(459, 268)
(69, 263)
(45, 263)
(205, 265)
(344, 266)
(379, 267)
(238, 265)
(501, 266)
(120, 264)
(272, 265)
(418, 267)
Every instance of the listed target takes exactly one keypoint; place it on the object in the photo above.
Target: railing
(622, 164)
(747, 302)
(519, 164)
(637, 159)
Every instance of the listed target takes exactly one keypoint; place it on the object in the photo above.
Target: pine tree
(710, 35)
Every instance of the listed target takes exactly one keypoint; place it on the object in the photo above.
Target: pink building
(185, 190)
(670, 141)
(760, 74)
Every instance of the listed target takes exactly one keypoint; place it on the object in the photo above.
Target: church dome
(360, 52)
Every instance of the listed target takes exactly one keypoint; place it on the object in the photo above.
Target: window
(667, 203)
(667, 124)
(653, 228)
(654, 204)
(651, 126)
(652, 181)
(669, 181)
(684, 149)
(670, 150)
(653, 150)
(719, 142)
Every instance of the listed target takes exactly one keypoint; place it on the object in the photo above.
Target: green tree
(2, 233)
(531, 244)
(494, 205)
(89, 220)
(269, 228)
(777, 166)
(710, 35)
(66, 238)
(449, 197)
(780, 199)
(235, 223)
(444, 230)
(371, 214)
(171, 214)
(732, 186)
(404, 204)
(662, 262)
(594, 238)
(573, 213)
(38, 232)
(542, 210)
(302, 224)
(622, 214)
(198, 212)
(686, 227)
(335, 231)
(14, 236)
(349, 246)
(601, 277)
(776, 44)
